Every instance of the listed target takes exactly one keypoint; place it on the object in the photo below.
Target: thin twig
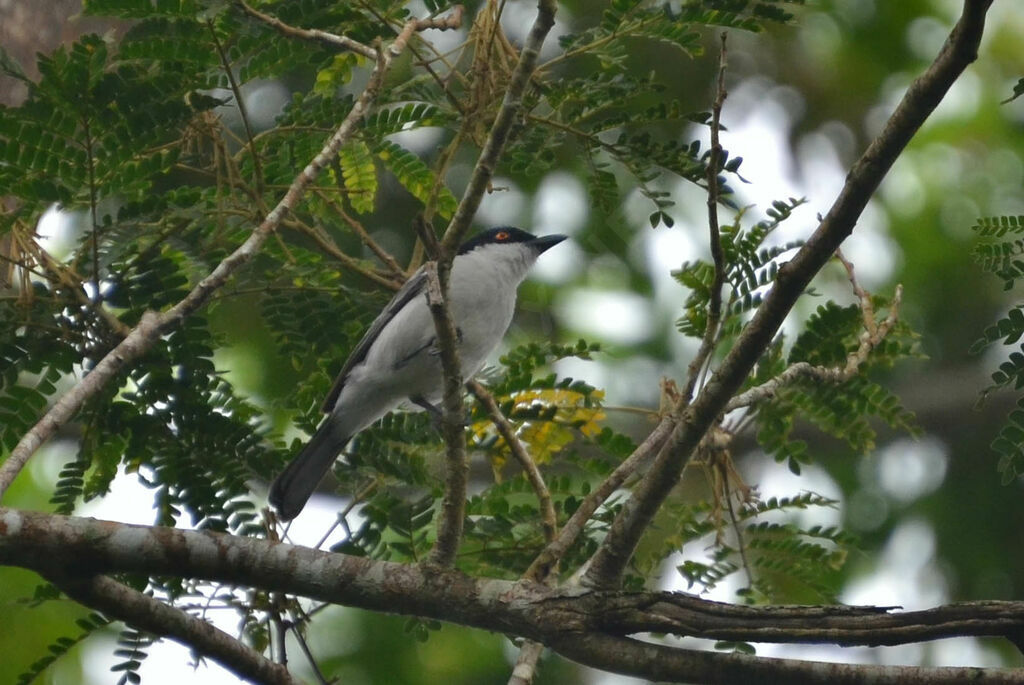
(346, 44)
(331, 40)
(279, 630)
(343, 514)
(95, 235)
(707, 343)
(741, 546)
(576, 524)
(304, 646)
(548, 519)
(325, 243)
(526, 663)
(826, 374)
(242, 110)
(383, 255)
(58, 274)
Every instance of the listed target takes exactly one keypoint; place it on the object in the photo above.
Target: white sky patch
(559, 206)
(420, 140)
(264, 100)
(925, 36)
(906, 573)
(502, 207)
(56, 230)
(902, 190)
(615, 316)
(909, 469)
(559, 264)
(759, 137)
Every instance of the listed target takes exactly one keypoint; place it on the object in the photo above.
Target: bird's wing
(413, 287)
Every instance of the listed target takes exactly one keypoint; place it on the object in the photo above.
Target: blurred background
(935, 523)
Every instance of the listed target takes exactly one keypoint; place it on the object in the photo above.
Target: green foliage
(998, 251)
(1009, 444)
(842, 410)
(88, 625)
(132, 646)
(415, 176)
(145, 132)
(750, 266)
(1018, 90)
(359, 175)
(781, 561)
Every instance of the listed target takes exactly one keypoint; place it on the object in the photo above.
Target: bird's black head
(509, 235)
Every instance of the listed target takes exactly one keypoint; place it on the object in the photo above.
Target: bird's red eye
(501, 235)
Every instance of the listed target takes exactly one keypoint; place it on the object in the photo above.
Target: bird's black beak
(544, 242)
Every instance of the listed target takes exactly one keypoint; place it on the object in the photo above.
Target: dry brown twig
(872, 335)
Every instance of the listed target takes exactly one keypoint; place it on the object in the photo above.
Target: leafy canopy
(143, 142)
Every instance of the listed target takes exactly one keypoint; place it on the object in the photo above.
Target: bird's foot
(436, 413)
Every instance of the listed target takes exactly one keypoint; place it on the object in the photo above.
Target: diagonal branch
(121, 602)
(921, 98)
(574, 527)
(548, 518)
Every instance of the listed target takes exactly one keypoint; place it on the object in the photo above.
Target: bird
(397, 361)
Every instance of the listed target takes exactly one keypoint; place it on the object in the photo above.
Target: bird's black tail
(293, 488)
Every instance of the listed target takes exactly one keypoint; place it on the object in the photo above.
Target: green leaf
(359, 175)
(415, 176)
(1018, 90)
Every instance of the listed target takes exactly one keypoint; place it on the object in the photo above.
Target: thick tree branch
(662, 663)
(453, 426)
(921, 98)
(572, 621)
(121, 602)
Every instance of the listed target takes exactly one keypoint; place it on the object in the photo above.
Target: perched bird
(398, 360)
